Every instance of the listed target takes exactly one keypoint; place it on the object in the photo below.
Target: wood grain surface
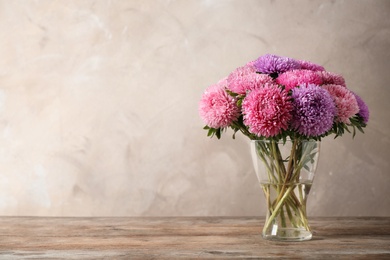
(187, 237)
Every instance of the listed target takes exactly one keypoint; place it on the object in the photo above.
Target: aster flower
(331, 78)
(270, 64)
(217, 108)
(293, 78)
(242, 71)
(345, 101)
(307, 65)
(267, 110)
(313, 112)
(243, 79)
(363, 108)
(251, 64)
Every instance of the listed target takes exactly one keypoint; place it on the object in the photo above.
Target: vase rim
(282, 142)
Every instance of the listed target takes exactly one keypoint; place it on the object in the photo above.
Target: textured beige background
(99, 99)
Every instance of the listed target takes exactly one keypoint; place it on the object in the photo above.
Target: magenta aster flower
(216, 107)
(242, 80)
(293, 78)
(270, 63)
(331, 78)
(307, 65)
(267, 110)
(314, 110)
(345, 101)
(363, 108)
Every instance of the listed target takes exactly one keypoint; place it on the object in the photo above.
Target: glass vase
(286, 171)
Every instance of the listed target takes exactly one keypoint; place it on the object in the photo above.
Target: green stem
(261, 150)
(289, 170)
(285, 195)
(277, 208)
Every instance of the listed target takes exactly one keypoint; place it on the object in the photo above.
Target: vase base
(289, 235)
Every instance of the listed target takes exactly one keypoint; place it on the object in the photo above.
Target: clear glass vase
(286, 172)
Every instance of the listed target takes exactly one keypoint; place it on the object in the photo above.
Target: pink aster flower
(345, 101)
(267, 110)
(242, 71)
(217, 108)
(331, 78)
(363, 109)
(314, 110)
(270, 63)
(294, 78)
(307, 65)
(251, 64)
(241, 83)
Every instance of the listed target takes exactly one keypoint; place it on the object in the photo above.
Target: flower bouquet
(278, 102)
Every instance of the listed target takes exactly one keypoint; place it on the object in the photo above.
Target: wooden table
(187, 237)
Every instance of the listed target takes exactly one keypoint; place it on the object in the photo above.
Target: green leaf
(231, 93)
(218, 133)
(211, 132)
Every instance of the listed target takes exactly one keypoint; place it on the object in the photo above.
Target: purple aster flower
(314, 110)
(270, 63)
(363, 108)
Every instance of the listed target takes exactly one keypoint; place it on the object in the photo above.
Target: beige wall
(98, 104)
